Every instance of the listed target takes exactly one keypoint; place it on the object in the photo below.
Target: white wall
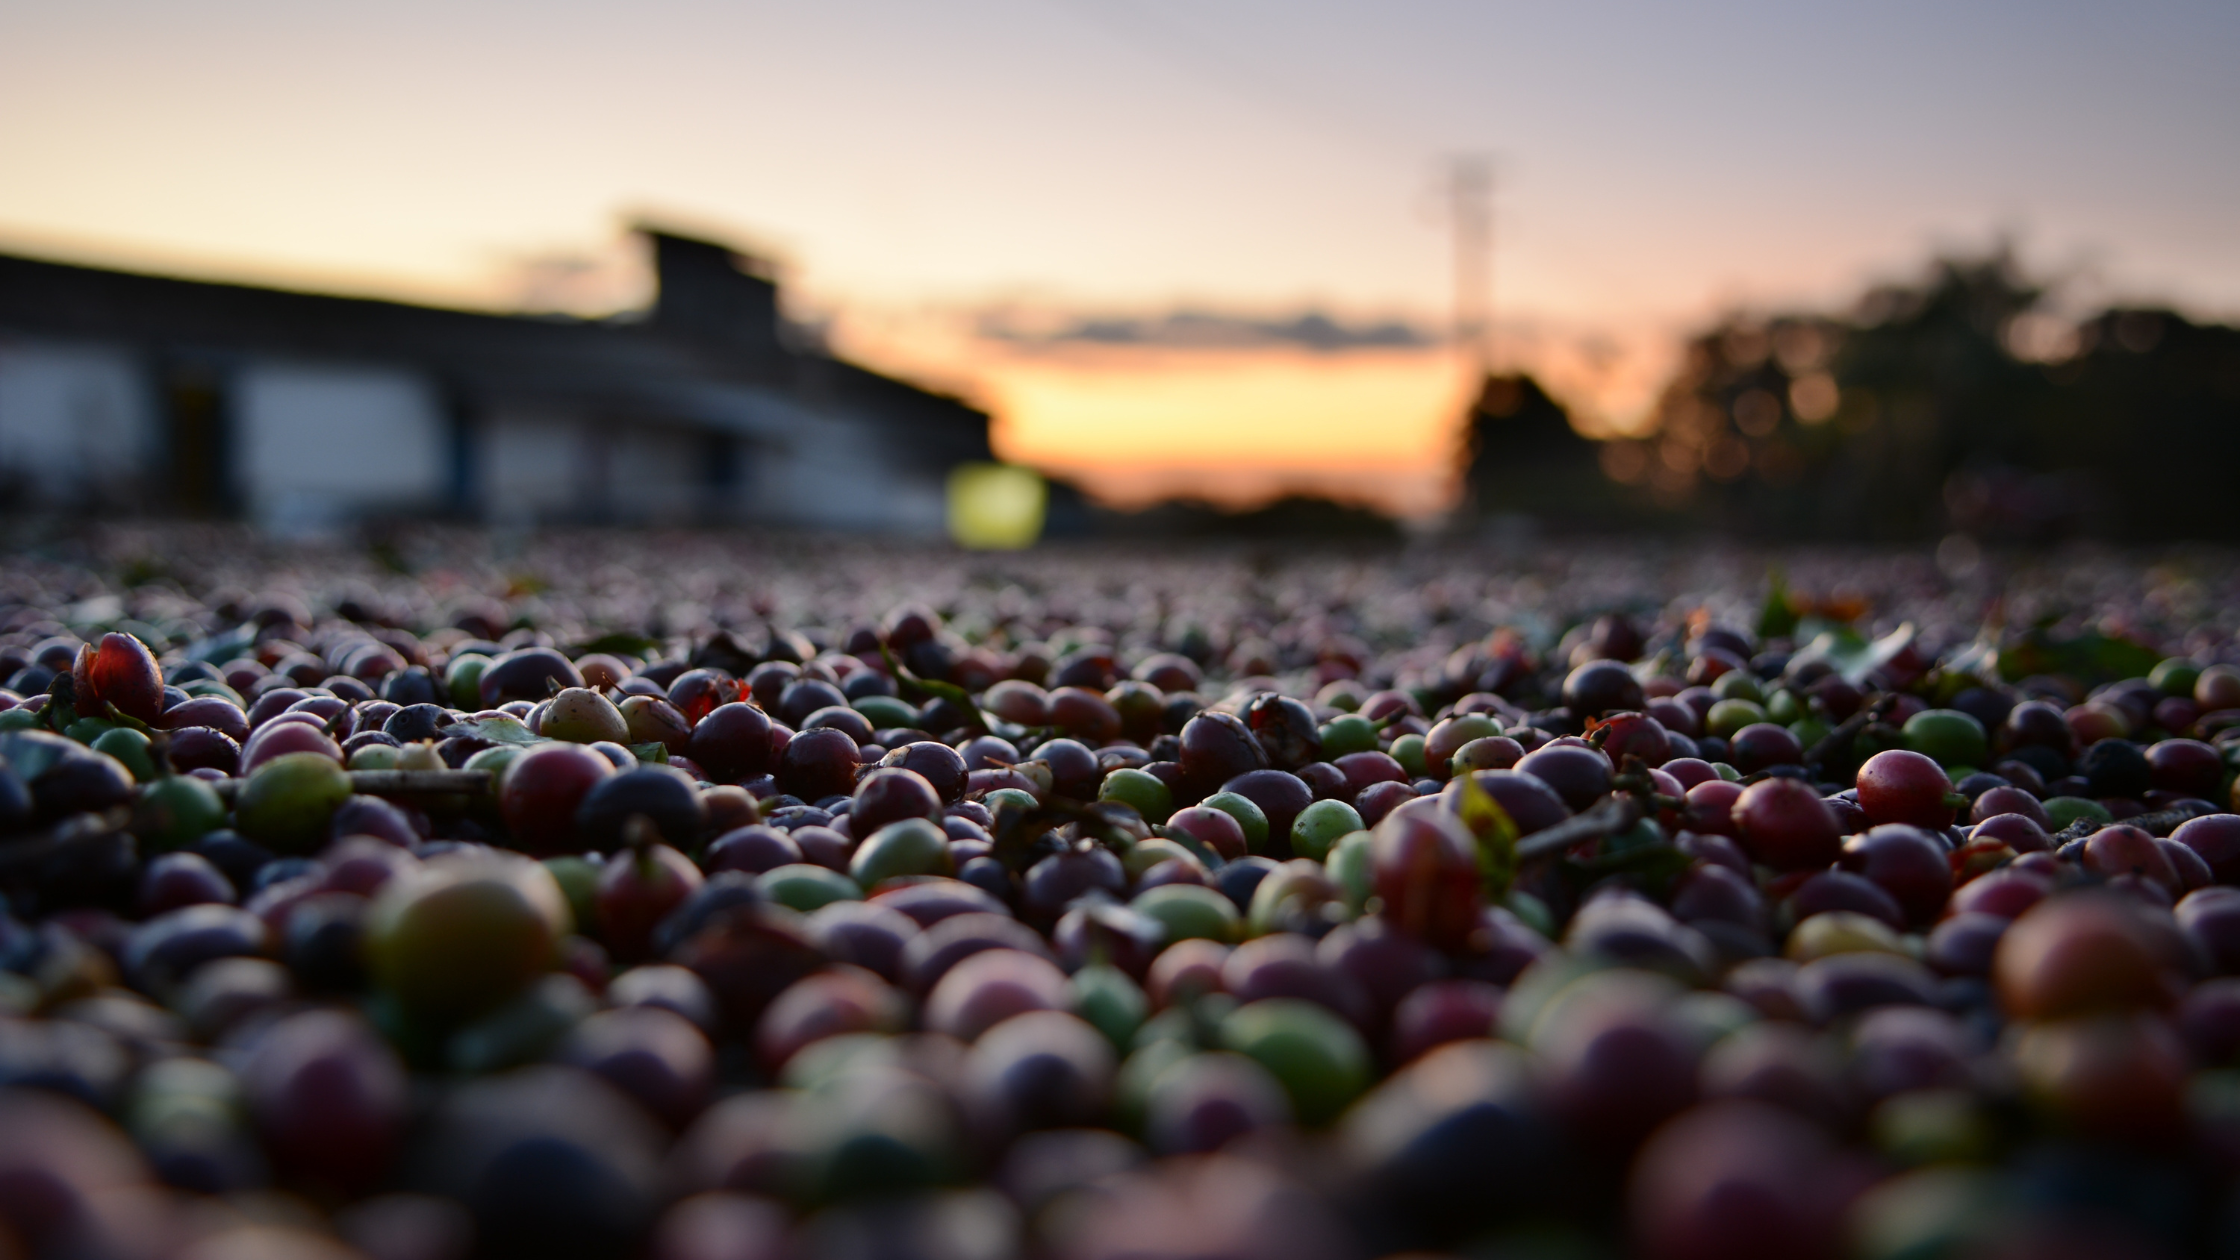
(529, 467)
(655, 474)
(796, 465)
(75, 420)
(316, 445)
(313, 445)
(836, 473)
(535, 467)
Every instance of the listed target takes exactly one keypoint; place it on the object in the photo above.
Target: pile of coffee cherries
(331, 933)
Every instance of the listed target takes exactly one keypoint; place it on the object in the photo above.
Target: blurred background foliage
(1960, 403)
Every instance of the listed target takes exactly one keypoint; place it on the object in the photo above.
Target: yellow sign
(995, 507)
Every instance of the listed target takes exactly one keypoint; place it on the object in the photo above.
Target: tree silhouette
(1949, 404)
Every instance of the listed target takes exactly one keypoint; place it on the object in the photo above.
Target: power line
(1470, 205)
(1469, 177)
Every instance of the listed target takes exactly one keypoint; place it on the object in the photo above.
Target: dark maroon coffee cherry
(988, 752)
(1906, 862)
(1611, 637)
(1763, 744)
(1217, 747)
(1282, 796)
(805, 697)
(182, 879)
(844, 719)
(200, 747)
(1092, 667)
(2187, 767)
(1327, 782)
(272, 703)
(1899, 786)
(1599, 687)
(1784, 824)
(1055, 882)
(2036, 722)
(732, 742)
(663, 797)
(1527, 799)
(941, 766)
(1581, 776)
(2008, 800)
(1084, 714)
(2116, 767)
(531, 674)
(1073, 768)
(753, 849)
(120, 672)
(411, 685)
(214, 712)
(2216, 838)
(1286, 731)
(891, 795)
(769, 680)
(1425, 867)
(696, 692)
(2019, 832)
(1635, 735)
(818, 764)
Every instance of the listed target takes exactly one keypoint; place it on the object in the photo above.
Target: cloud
(1188, 329)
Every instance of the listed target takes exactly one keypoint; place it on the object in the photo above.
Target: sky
(979, 193)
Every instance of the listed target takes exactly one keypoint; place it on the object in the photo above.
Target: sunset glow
(1245, 421)
(916, 170)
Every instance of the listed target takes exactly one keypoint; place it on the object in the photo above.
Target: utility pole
(1470, 199)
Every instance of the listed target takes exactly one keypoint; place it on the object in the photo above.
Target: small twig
(1848, 730)
(77, 829)
(407, 782)
(2152, 823)
(1634, 778)
(393, 782)
(1609, 816)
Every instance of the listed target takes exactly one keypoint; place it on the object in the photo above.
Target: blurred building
(302, 410)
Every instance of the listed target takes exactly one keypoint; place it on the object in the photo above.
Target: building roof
(712, 338)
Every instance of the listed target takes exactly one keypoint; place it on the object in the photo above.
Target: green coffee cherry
(1317, 1057)
(1350, 733)
(1408, 751)
(130, 747)
(806, 887)
(1190, 910)
(1140, 790)
(1319, 826)
(1729, 716)
(287, 802)
(1110, 1001)
(886, 711)
(1947, 736)
(910, 847)
(1249, 816)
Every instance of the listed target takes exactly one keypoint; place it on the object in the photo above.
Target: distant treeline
(1957, 403)
(1294, 517)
